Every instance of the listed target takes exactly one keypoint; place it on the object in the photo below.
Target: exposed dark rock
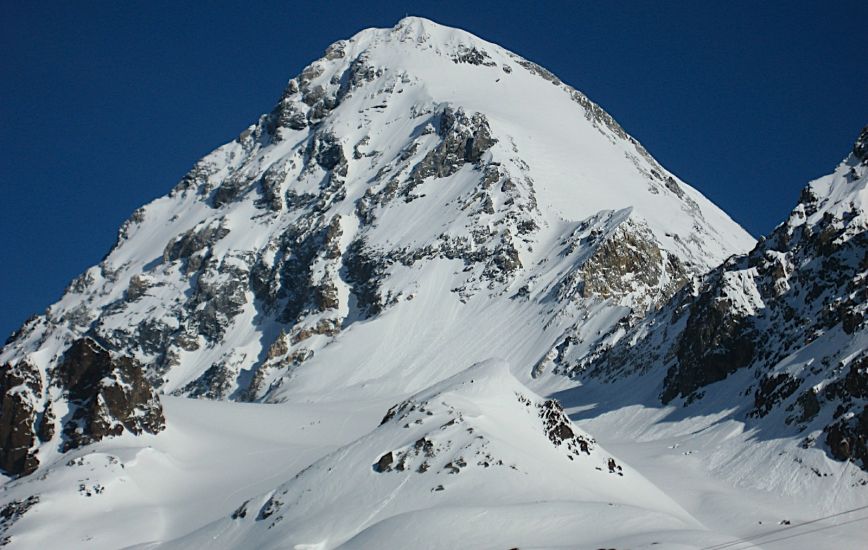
(809, 406)
(716, 342)
(231, 189)
(364, 270)
(107, 395)
(289, 278)
(629, 262)
(559, 429)
(185, 245)
(464, 139)
(214, 383)
(848, 439)
(390, 414)
(472, 56)
(20, 388)
(804, 281)
(326, 149)
(139, 285)
(241, 511)
(279, 347)
(288, 113)
(272, 187)
(46, 424)
(326, 327)
(535, 69)
(772, 391)
(336, 50)
(25, 327)
(197, 179)
(860, 148)
(384, 464)
(220, 295)
(503, 262)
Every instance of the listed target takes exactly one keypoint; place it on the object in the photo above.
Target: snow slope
(477, 444)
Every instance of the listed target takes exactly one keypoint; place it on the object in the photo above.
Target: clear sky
(105, 105)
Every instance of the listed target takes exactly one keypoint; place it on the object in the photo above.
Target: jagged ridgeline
(783, 324)
(418, 200)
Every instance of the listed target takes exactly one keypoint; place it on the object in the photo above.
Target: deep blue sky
(105, 105)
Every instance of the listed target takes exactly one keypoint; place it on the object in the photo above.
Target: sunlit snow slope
(415, 163)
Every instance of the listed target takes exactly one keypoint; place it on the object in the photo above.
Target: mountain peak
(415, 31)
(842, 194)
(418, 25)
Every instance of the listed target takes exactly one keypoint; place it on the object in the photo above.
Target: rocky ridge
(791, 313)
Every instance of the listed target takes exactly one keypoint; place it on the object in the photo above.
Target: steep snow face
(779, 334)
(418, 200)
(479, 441)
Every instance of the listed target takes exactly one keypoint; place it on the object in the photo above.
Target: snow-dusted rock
(792, 312)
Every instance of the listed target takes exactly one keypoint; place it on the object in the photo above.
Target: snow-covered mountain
(431, 228)
(411, 184)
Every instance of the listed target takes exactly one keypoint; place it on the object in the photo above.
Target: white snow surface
(298, 468)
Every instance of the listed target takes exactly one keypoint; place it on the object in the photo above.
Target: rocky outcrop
(560, 431)
(860, 148)
(473, 56)
(364, 270)
(107, 395)
(716, 341)
(616, 260)
(847, 436)
(192, 246)
(20, 388)
(311, 218)
(464, 139)
(214, 383)
(629, 266)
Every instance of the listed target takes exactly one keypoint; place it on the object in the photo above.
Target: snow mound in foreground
(479, 444)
